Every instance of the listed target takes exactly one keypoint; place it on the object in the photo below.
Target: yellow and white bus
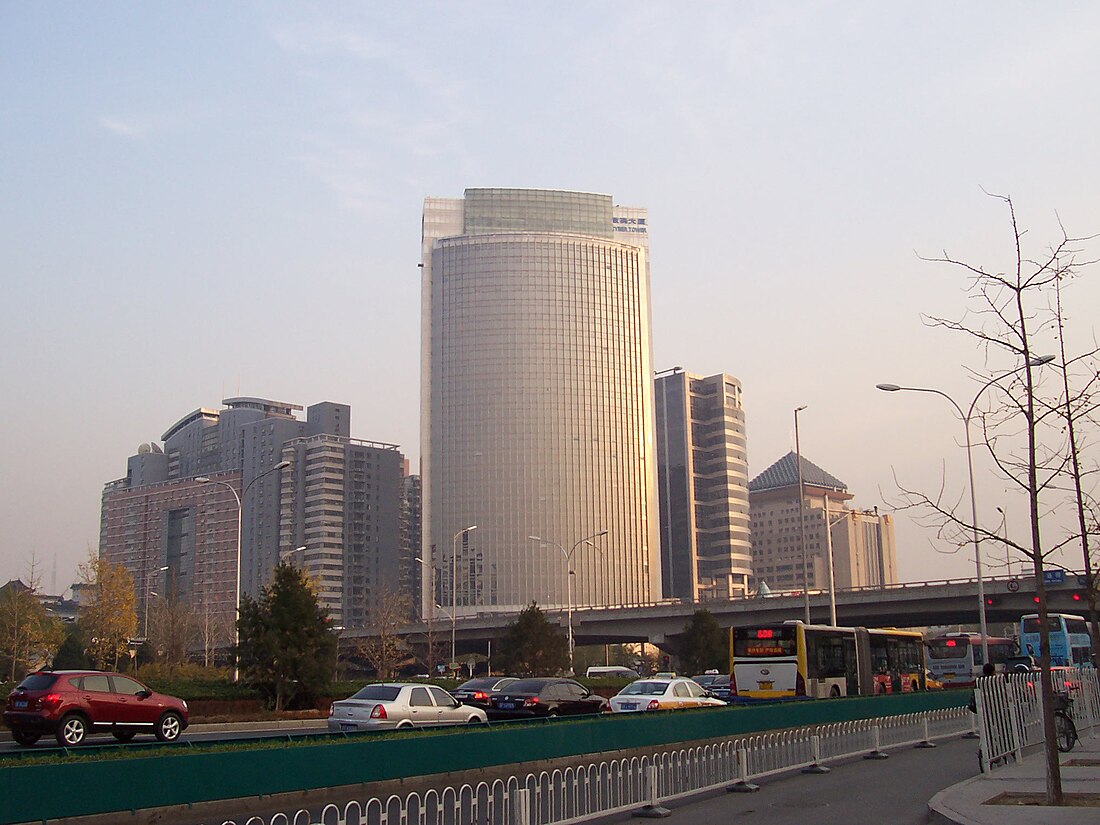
(802, 661)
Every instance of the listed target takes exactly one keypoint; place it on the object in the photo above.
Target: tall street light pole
(802, 515)
(148, 587)
(569, 573)
(1034, 362)
(454, 586)
(237, 586)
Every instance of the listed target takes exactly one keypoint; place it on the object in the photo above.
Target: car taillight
(653, 705)
(332, 709)
(51, 701)
(480, 696)
(379, 712)
(799, 685)
(733, 683)
(530, 701)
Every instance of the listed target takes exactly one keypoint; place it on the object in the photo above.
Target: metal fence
(577, 794)
(1010, 710)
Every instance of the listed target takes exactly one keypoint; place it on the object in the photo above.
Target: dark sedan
(477, 692)
(530, 698)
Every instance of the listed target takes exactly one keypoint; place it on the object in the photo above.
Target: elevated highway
(912, 604)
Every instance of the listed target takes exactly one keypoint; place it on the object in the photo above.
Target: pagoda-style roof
(784, 473)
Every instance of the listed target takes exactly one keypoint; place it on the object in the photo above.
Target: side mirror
(144, 694)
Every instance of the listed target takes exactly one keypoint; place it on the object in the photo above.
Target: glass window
(127, 686)
(442, 698)
(419, 698)
(380, 693)
(98, 684)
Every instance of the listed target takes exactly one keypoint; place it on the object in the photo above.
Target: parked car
(70, 704)
(529, 698)
(477, 691)
(401, 705)
(716, 683)
(663, 694)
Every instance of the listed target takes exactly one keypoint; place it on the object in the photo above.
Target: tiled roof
(784, 473)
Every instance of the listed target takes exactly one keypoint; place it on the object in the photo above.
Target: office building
(537, 401)
(702, 472)
(864, 553)
(341, 516)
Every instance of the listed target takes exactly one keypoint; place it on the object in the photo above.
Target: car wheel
(169, 727)
(25, 737)
(914, 687)
(123, 735)
(475, 720)
(72, 730)
(406, 726)
(552, 714)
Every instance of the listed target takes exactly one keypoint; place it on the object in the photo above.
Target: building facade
(335, 510)
(863, 548)
(537, 401)
(702, 472)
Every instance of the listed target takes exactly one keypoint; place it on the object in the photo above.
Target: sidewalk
(964, 804)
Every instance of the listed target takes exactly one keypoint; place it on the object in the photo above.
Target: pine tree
(705, 646)
(532, 646)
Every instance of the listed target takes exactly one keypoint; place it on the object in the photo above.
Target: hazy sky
(204, 200)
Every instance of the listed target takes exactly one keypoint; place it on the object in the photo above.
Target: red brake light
(379, 712)
(950, 643)
(653, 705)
(1077, 597)
(480, 696)
(1035, 599)
(530, 701)
(51, 700)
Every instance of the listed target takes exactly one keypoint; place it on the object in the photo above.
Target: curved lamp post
(569, 573)
(454, 586)
(1034, 362)
(237, 587)
(148, 587)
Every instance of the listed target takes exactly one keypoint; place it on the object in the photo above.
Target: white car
(663, 694)
(397, 705)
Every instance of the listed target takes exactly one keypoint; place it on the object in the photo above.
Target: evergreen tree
(705, 646)
(72, 655)
(532, 646)
(287, 646)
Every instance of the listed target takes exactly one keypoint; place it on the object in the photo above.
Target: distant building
(159, 516)
(703, 499)
(864, 552)
(537, 401)
(411, 527)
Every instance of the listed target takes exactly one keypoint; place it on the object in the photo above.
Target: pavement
(967, 803)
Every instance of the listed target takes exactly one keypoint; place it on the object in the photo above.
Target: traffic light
(992, 600)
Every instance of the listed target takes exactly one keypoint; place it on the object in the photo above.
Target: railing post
(984, 743)
(877, 752)
(742, 785)
(522, 807)
(973, 732)
(652, 809)
(926, 742)
(815, 750)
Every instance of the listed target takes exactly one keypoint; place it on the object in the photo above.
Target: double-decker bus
(801, 661)
(956, 659)
(1069, 638)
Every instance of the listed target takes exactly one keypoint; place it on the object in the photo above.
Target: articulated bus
(800, 661)
(1070, 643)
(956, 659)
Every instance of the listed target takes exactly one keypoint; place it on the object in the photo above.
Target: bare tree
(173, 629)
(1022, 429)
(385, 649)
(214, 630)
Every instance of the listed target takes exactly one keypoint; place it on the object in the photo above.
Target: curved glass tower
(537, 402)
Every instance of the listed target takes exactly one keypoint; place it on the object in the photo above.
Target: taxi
(674, 693)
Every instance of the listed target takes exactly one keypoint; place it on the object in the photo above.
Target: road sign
(1013, 585)
(1054, 576)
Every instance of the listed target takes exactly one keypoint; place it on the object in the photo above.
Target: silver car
(399, 705)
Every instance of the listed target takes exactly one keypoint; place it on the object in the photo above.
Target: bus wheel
(914, 687)
(834, 692)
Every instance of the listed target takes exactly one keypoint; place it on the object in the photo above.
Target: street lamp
(237, 586)
(802, 514)
(569, 573)
(284, 554)
(1034, 362)
(148, 586)
(454, 585)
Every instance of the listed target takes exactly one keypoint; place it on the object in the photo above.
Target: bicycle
(1065, 730)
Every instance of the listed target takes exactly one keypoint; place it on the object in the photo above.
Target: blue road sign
(1054, 576)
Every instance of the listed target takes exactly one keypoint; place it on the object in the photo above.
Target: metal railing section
(577, 794)
(1010, 710)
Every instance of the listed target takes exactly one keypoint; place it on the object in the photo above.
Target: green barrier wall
(86, 786)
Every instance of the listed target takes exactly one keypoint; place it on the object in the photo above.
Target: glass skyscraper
(537, 402)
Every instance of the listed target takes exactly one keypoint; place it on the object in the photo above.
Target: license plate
(765, 685)
(344, 726)
(947, 677)
(507, 705)
(21, 704)
(630, 705)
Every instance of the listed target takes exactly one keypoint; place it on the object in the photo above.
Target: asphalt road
(892, 791)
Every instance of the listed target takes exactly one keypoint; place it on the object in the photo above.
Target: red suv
(70, 704)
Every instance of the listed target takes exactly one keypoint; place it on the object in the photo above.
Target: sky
(205, 200)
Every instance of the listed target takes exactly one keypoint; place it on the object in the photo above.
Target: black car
(477, 692)
(530, 698)
(715, 683)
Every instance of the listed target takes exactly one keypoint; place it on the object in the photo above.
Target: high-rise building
(537, 401)
(702, 472)
(863, 547)
(339, 520)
